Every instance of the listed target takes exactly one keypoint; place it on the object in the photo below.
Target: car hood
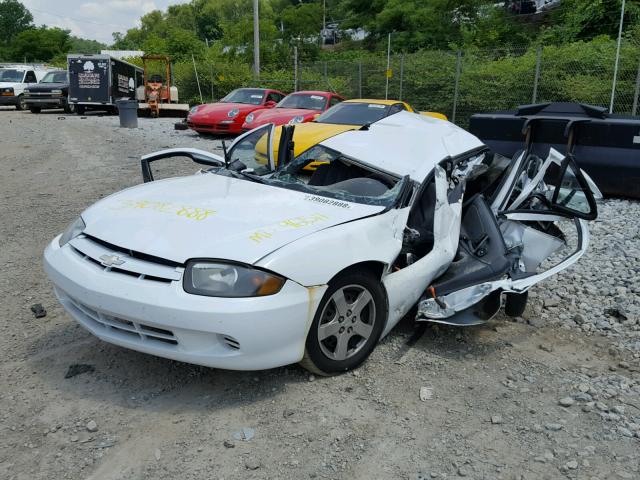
(47, 87)
(222, 109)
(213, 216)
(9, 84)
(281, 115)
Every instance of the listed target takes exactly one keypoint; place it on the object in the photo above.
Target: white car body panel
(406, 286)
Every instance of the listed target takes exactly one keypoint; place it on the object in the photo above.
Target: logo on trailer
(132, 84)
(88, 66)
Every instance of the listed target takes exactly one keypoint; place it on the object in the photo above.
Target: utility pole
(324, 20)
(256, 41)
(615, 68)
(388, 72)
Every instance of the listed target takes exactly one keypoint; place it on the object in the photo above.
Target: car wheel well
(371, 266)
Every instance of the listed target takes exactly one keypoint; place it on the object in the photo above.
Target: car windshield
(306, 101)
(55, 77)
(348, 113)
(250, 96)
(319, 172)
(10, 75)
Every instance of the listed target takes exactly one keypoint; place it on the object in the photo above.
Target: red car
(298, 107)
(228, 115)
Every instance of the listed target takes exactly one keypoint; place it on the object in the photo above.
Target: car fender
(315, 259)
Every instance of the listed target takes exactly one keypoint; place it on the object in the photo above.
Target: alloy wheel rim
(346, 322)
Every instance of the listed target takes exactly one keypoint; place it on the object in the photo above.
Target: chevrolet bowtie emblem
(110, 260)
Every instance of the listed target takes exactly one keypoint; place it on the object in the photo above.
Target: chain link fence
(462, 83)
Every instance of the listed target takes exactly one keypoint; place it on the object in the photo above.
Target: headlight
(26, 90)
(233, 112)
(249, 118)
(215, 279)
(194, 109)
(72, 231)
(298, 119)
(55, 91)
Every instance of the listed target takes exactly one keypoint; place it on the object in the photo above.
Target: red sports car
(298, 107)
(228, 115)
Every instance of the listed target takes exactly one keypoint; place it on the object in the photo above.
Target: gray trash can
(128, 113)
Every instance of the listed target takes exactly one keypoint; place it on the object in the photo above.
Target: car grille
(133, 264)
(133, 331)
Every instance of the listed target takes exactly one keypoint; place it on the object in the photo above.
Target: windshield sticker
(266, 233)
(317, 97)
(185, 211)
(327, 201)
(256, 96)
(376, 105)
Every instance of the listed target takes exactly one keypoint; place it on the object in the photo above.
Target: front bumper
(56, 102)
(162, 319)
(9, 100)
(209, 126)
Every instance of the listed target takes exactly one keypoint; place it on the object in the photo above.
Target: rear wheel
(35, 109)
(69, 108)
(347, 324)
(80, 109)
(21, 105)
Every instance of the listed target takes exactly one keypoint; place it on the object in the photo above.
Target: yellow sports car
(347, 115)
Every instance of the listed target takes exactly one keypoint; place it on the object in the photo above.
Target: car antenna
(224, 152)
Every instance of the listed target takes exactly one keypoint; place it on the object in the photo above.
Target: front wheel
(70, 108)
(347, 324)
(21, 105)
(80, 109)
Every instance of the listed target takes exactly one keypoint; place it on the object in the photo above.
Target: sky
(93, 19)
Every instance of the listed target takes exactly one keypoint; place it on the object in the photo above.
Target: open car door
(533, 226)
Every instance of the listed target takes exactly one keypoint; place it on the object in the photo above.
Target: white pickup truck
(14, 79)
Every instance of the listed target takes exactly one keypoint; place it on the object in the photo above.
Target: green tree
(82, 45)
(14, 18)
(41, 44)
(586, 19)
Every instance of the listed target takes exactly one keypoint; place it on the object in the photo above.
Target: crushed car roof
(405, 143)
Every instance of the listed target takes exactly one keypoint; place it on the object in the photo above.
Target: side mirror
(270, 104)
(316, 116)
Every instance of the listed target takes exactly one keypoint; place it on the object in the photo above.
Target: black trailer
(606, 146)
(98, 81)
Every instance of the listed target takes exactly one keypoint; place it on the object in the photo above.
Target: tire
(340, 338)
(69, 108)
(80, 109)
(515, 303)
(21, 105)
(35, 109)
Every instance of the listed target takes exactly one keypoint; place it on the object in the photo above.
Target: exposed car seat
(421, 221)
(334, 172)
(482, 254)
(366, 187)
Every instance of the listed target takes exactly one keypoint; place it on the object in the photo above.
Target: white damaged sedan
(256, 262)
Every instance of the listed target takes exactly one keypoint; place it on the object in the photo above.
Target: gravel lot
(555, 394)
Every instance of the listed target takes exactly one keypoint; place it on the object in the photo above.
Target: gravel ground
(555, 394)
